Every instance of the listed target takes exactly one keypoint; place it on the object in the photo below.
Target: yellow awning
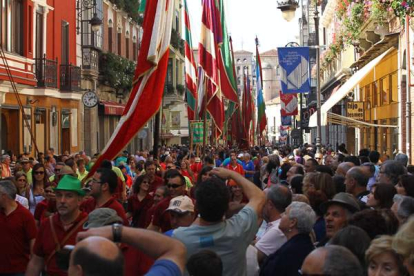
(345, 89)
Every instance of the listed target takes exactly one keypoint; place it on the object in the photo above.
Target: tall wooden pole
(156, 133)
(204, 120)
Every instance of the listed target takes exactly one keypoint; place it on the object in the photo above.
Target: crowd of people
(262, 211)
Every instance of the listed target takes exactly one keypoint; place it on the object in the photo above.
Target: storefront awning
(112, 108)
(346, 121)
(345, 89)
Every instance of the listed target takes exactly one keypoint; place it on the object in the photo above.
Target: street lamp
(96, 22)
(288, 7)
(86, 5)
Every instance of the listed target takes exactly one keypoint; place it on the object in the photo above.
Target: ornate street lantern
(288, 8)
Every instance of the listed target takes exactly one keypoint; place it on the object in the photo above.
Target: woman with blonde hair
(382, 259)
(403, 243)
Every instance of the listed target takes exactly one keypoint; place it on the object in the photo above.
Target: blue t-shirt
(164, 268)
(248, 167)
(169, 233)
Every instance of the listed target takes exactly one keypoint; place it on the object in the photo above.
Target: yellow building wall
(387, 66)
(384, 112)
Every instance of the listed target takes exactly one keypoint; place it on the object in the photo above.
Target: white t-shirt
(23, 201)
(229, 239)
(272, 239)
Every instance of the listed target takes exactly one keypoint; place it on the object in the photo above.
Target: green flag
(142, 6)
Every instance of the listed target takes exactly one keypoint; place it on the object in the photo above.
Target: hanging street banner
(286, 121)
(355, 110)
(294, 64)
(288, 104)
(306, 113)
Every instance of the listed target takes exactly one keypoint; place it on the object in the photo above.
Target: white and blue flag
(294, 64)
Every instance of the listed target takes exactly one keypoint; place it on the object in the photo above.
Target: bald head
(96, 256)
(313, 264)
(100, 246)
(332, 260)
(343, 168)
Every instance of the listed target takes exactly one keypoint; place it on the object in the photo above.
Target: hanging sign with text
(355, 110)
(294, 67)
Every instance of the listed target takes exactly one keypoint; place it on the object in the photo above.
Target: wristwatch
(117, 232)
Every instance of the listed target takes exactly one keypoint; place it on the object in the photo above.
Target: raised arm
(144, 240)
(255, 196)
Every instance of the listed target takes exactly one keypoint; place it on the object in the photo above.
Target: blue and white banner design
(294, 65)
(286, 120)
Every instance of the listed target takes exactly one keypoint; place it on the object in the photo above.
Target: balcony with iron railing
(46, 72)
(70, 77)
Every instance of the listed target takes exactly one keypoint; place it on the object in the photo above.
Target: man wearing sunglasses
(27, 169)
(175, 183)
(103, 187)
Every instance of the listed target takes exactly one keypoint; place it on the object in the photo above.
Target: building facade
(108, 58)
(174, 117)
(39, 44)
(363, 79)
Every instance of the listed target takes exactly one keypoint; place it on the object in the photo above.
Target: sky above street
(248, 18)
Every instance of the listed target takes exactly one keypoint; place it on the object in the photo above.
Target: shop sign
(355, 110)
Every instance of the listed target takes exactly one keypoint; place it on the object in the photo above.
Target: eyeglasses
(174, 186)
(305, 274)
(39, 172)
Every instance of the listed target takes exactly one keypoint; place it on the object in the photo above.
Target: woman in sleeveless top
(36, 193)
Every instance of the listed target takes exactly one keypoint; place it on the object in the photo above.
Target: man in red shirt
(60, 229)
(103, 186)
(234, 166)
(17, 232)
(176, 187)
(155, 181)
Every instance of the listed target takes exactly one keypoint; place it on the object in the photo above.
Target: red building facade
(38, 38)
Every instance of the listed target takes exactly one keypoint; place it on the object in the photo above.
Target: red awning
(112, 108)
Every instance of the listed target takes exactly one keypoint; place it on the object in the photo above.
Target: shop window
(375, 94)
(368, 96)
(385, 90)
(394, 88)
(11, 25)
(362, 95)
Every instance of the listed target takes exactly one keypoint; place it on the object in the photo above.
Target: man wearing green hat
(60, 229)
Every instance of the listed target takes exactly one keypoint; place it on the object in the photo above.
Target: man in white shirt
(278, 198)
